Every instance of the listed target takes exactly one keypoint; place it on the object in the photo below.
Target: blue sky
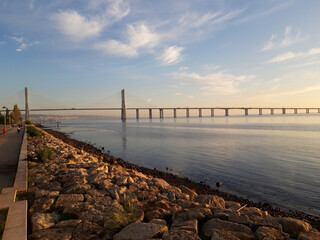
(168, 53)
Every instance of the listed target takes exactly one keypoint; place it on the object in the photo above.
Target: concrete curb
(16, 223)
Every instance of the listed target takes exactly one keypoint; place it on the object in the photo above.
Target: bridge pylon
(123, 106)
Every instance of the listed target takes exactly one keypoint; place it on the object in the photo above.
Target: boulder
(266, 221)
(43, 220)
(53, 234)
(72, 223)
(221, 235)
(45, 194)
(159, 221)
(87, 230)
(313, 234)
(188, 191)
(160, 183)
(179, 235)
(292, 225)
(212, 200)
(268, 233)
(67, 199)
(140, 231)
(189, 225)
(238, 230)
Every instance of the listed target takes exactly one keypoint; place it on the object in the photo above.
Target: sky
(204, 53)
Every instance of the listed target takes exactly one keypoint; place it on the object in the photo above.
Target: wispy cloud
(22, 44)
(287, 40)
(138, 37)
(220, 82)
(171, 55)
(292, 55)
(78, 26)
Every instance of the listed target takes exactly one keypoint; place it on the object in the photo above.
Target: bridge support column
(318, 110)
(187, 112)
(226, 111)
(27, 104)
(212, 112)
(161, 112)
(123, 106)
(246, 111)
(272, 111)
(200, 112)
(174, 112)
(283, 111)
(137, 113)
(150, 113)
(260, 111)
(307, 110)
(295, 111)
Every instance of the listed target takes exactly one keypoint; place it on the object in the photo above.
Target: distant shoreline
(172, 179)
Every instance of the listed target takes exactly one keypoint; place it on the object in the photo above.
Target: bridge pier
(187, 112)
(137, 113)
(212, 112)
(246, 111)
(123, 106)
(283, 111)
(260, 111)
(150, 113)
(174, 112)
(200, 112)
(295, 111)
(307, 110)
(226, 111)
(271, 111)
(161, 112)
(318, 110)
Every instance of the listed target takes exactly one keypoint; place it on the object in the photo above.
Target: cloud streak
(171, 55)
(22, 45)
(287, 40)
(291, 55)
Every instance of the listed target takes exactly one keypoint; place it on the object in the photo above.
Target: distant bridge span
(123, 109)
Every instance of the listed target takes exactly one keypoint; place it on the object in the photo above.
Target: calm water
(274, 159)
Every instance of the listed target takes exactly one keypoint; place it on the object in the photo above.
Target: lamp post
(5, 117)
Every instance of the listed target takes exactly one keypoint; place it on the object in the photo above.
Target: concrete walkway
(10, 145)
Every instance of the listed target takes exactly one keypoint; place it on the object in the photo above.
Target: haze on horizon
(169, 53)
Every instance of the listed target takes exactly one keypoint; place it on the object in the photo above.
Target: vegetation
(3, 217)
(34, 132)
(11, 117)
(44, 153)
(28, 122)
(130, 213)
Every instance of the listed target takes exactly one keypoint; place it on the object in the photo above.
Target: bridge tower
(27, 117)
(123, 106)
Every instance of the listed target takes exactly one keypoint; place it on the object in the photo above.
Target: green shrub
(44, 153)
(33, 132)
(130, 213)
(27, 122)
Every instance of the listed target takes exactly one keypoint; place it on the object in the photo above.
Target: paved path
(9, 155)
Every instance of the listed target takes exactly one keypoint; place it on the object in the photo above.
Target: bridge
(150, 110)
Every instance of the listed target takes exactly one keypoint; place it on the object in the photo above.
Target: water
(273, 159)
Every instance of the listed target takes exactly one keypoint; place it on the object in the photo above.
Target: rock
(160, 183)
(67, 199)
(43, 220)
(179, 235)
(292, 225)
(238, 230)
(159, 221)
(233, 205)
(221, 235)
(266, 221)
(188, 191)
(67, 223)
(87, 230)
(121, 180)
(78, 188)
(158, 209)
(238, 218)
(41, 205)
(212, 200)
(268, 233)
(53, 234)
(190, 225)
(46, 194)
(313, 234)
(253, 211)
(140, 231)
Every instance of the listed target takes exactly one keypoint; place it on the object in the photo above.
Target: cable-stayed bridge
(137, 105)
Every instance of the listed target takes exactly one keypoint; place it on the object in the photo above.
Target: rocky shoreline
(84, 194)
